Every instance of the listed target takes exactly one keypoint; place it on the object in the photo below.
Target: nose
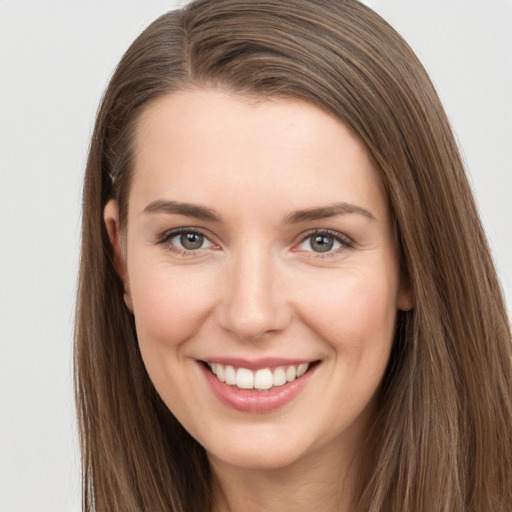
(254, 300)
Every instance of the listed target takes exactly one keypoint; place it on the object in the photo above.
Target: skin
(258, 288)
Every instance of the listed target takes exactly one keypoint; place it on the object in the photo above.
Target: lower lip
(250, 400)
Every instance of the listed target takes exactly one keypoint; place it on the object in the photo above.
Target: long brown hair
(442, 438)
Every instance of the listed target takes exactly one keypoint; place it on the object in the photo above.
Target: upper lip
(256, 364)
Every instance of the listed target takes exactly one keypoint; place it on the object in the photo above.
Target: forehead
(207, 145)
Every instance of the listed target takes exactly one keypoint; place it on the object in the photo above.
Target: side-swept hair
(442, 439)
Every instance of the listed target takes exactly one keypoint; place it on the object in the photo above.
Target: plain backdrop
(55, 59)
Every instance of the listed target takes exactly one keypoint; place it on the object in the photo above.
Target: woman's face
(259, 244)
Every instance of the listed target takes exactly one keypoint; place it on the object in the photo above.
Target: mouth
(261, 379)
(257, 386)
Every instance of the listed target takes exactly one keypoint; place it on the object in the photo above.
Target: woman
(286, 297)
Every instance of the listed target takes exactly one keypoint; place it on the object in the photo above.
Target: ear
(111, 218)
(405, 297)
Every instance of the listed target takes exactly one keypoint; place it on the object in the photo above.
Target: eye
(189, 241)
(322, 242)
(185, 240)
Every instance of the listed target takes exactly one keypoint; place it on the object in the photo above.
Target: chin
(267, 459)
(264, 451)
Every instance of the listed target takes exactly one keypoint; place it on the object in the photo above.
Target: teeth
(220, 372)
(279, 377)
(301, 369)
(244, 378)
(262, 379)
(291, 373)
(230, 375)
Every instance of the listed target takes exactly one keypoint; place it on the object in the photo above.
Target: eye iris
(191, 240)
(321, 243)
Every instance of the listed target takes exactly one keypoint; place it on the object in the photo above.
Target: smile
(265, 386)
(262, 379)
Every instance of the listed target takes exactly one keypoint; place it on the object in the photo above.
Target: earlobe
(112, 224)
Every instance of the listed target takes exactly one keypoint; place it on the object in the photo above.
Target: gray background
(55, 60)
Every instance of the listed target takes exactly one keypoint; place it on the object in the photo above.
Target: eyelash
(344, 241)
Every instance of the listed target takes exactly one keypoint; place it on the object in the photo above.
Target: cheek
(170, 304)
(355, 316)
(354, 313)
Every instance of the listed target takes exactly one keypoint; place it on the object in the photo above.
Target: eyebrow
(203, 213)
(187, 209)
(324, 212)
